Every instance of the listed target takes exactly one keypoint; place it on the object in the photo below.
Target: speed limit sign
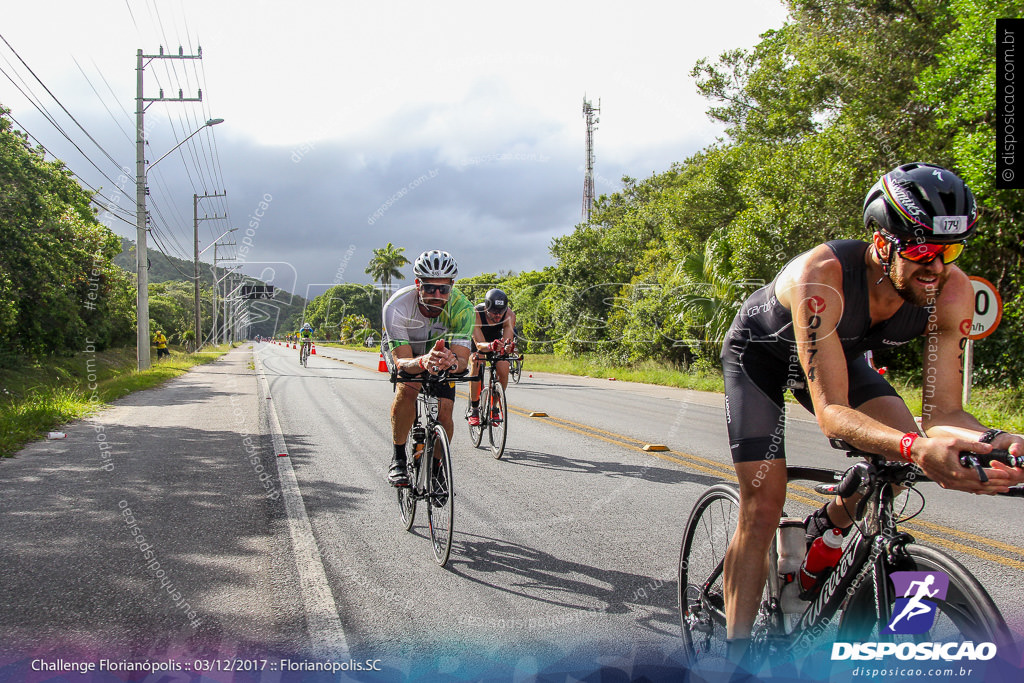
(988, 308)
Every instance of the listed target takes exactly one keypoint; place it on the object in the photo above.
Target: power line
(116, 122)
(42, 110)
(60, 104)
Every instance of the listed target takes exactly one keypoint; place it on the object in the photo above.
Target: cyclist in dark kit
(493, 333)
(808, 331)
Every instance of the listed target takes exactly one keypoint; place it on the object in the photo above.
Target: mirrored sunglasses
(925, 252)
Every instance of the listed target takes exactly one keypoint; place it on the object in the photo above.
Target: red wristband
(906, 443)
(422, 366)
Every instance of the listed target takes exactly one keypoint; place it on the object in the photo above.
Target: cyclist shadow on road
(646, 472)
(571, 589)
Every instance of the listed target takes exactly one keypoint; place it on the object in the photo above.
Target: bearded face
(920, 284)
(434, 294)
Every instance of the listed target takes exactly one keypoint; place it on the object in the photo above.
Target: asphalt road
(565, 551)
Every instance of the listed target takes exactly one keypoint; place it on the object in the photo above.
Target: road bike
(493, 408)
(434, 484)
(304, 352)
(855, 602)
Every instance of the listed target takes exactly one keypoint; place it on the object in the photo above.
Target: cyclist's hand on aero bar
(939, 458)
(440, 358)
(1015, 444)
(497, 346)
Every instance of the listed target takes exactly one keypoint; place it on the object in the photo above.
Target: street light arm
(211, 122)
(217, 238)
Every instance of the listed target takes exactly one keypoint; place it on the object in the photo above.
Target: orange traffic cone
(382, 365)
(312, 350)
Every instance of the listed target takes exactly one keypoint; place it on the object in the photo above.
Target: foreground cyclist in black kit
(808, 330)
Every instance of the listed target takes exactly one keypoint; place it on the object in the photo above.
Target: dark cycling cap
(921, 202)
(495, 301)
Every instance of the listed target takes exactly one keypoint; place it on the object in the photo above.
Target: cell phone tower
(589, 113)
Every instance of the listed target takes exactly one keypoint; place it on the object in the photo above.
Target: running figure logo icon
(914, 611)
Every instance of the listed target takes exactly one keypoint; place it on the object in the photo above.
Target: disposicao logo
(913, 613)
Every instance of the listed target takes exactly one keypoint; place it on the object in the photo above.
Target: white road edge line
(327, 636)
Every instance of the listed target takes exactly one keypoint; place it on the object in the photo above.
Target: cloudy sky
(452, 125)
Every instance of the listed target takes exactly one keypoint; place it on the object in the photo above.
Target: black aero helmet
(435, 264)
(495, 301)
(921, 202)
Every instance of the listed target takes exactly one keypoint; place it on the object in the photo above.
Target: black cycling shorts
(755, 385)
(447, 390)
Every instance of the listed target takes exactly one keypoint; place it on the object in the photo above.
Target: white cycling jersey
(405, 324)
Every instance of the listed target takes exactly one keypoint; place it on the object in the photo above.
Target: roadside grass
(38, 395)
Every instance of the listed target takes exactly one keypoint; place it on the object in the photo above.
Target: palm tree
(384, 265)
(712, 296)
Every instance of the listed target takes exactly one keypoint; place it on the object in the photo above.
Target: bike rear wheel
(966, 613)
(709, 531)
(440, 495)
(497, 419)
(476, 432)
(406, 494)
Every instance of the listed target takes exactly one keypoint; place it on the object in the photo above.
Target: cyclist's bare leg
(403, 412)
(502, 369)
(474, 387)
(762, 494)
(891, 411)
(444, 416)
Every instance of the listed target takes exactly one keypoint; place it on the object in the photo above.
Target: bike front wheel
(497, 419)
(516, 371)
(441, 495)
(967, 612)
(708, 533)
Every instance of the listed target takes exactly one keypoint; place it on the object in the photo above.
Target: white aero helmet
(435, 264)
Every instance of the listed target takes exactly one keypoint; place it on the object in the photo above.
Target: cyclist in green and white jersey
(305, 337)
(428, 327)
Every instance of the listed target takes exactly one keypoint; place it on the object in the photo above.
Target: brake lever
(972, 461)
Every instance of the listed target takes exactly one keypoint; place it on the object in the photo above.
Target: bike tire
(709, 530)
(516, 371)
(497, 429)
(966, 613)
(476, 433)
(440, 496)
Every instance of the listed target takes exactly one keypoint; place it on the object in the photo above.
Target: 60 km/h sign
(988, 308)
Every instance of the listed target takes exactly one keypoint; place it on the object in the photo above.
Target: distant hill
(271, 316)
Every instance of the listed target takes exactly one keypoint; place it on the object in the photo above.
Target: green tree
(58, 289)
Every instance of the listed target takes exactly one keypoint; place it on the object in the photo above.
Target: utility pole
(589, 112)
(215, 332)
(141, 217)
(195, 225)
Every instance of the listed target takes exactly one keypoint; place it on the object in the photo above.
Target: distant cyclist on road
(807, 331)
(306, 339)
(428, 327)
(493, 334)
